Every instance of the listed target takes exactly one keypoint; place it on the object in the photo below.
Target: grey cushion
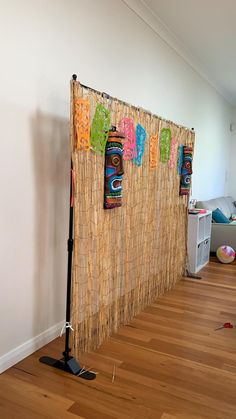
(224, 203)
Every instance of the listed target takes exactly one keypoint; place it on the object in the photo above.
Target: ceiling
(203, 32)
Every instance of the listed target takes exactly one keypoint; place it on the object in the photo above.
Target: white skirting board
(17, 354)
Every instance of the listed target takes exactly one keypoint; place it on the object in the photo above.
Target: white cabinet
(199, 238)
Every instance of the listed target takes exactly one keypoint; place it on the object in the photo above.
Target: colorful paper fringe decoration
(82, 124)
(180, 158)
(140, 144)
(186, 171)
(173, 153)
(126, 126)
(153, 151)
(100, 129)
(165, 145)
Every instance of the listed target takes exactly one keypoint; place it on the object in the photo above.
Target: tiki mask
(113, 170)
(186, 172)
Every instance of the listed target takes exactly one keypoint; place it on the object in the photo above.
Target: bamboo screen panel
(126, 257)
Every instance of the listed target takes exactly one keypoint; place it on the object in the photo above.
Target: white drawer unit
(199, 239)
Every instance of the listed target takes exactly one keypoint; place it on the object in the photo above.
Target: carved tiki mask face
(113, 170)
(186, 171)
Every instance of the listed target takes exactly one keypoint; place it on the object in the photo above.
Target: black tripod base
(71, 366)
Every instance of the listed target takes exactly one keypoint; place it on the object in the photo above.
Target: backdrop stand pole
(68, 363)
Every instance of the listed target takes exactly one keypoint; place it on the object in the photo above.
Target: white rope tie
(65, 326)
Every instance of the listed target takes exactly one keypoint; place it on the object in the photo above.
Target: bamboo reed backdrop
(126, 257)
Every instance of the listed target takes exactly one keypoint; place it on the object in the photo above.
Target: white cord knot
(65, 326)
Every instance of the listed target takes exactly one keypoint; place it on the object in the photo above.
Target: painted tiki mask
(113, 170)
(186, 171)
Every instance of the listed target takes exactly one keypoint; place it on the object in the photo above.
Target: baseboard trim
(27, 348)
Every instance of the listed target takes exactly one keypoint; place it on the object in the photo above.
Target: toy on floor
(225, 254)
(226, 325)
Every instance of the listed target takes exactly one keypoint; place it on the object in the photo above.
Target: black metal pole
(70, 245)
(69, 363)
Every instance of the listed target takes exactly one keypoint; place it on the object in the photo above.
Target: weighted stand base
(71, 366)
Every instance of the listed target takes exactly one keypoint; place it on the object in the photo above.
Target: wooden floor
(169, 363)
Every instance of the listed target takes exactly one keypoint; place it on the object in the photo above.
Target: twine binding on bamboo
(65, 326)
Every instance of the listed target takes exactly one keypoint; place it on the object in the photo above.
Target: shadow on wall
(51, 159)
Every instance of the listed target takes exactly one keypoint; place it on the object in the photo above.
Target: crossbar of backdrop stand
(107, 96)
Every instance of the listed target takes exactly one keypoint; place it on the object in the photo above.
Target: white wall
(42, 44)
(232, 169)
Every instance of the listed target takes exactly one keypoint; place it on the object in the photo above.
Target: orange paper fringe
(82, 124)
(153, 151)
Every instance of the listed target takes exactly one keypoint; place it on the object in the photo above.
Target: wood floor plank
(168, 363)
(38, 401)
